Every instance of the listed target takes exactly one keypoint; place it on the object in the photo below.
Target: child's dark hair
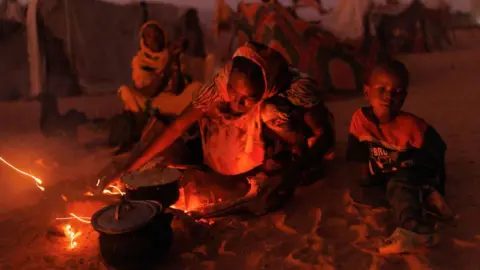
(397, 68)
(251, 70)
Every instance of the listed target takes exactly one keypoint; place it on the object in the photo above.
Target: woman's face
(242, 93)
(153, 38)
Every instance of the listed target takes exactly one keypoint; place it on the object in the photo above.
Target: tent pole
(36, 61)
(144, 7)
(68, 29)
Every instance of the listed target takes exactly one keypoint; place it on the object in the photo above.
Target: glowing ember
(71, 234)
(38, 181)
(193, 201)
(73, 216)
(115, 191)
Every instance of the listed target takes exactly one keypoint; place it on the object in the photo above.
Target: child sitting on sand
(401, 152)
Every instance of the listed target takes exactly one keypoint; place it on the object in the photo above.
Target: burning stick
(38, 181)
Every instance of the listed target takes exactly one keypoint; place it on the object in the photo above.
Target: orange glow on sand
(38, 181)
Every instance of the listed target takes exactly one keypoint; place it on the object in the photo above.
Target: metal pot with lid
(133, 234)
(160, 184)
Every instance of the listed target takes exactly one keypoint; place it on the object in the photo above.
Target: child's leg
(404, 195)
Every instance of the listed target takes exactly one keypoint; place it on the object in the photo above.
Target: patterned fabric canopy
(303, 44)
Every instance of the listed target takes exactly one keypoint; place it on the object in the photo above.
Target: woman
(258, 114)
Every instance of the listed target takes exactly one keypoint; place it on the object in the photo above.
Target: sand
(318, 229)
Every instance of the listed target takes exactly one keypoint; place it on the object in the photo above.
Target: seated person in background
(400, 152)
(159, 87)
(257, 114)
(189, 31)
(155, 69)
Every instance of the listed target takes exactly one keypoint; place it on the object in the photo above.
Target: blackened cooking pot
(159, 184)
(133, 234)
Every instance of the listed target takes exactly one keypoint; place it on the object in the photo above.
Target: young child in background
(401, 152)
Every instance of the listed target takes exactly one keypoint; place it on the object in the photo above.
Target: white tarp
(345, 21)
(14, 11)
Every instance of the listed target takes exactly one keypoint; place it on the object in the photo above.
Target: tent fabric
(435, 4)
(345, 21)
(13, 11)
(103, 37)
(475, 7)
(297, 40)
(390, 9)
(103, 40)
(303, 44)
(223, 14)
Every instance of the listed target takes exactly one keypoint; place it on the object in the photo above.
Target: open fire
(187, 204)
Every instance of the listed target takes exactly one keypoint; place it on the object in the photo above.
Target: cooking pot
(160, 184)
(133, 234)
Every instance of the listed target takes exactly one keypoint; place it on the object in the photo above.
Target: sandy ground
(319, 229)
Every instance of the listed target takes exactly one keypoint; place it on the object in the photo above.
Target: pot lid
(152, 177)
(124, 217)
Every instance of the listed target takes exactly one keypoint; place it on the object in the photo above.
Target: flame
(73, 216)
(38, 181)
(192, 202)
(189, 205)
(71, 234)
